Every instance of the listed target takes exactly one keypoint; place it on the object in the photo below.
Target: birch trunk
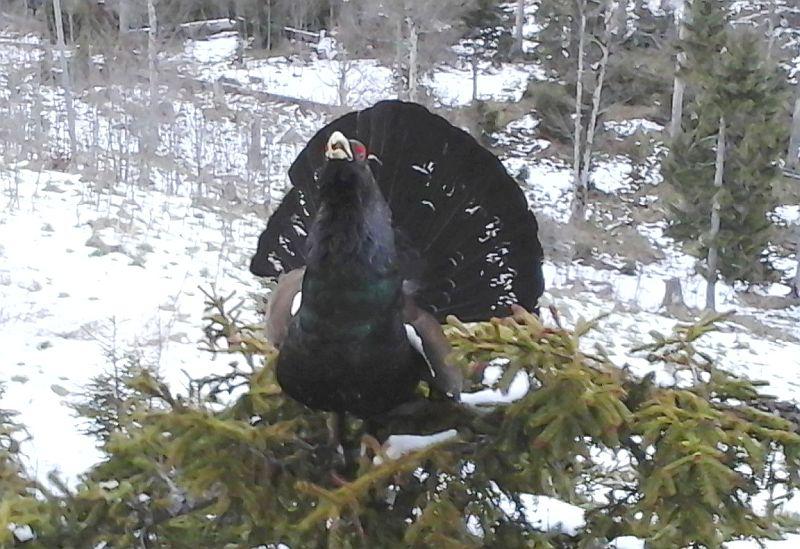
(152, 32)
(65, 79)
(586, 164)
(794, 140)
(341, 83)
(679, 86)
(592, 127)
(773, 23)
(796, 282)
(148, 134)
(413, 40)
(579, 201)
(516, 48)
(713, 252)
(398, 56)
(255, 157)
(124, 16)
(474, 78)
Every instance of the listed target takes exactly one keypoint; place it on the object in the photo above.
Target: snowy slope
(361, 82)
(85, 273)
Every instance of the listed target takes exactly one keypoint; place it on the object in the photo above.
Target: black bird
(379, 239)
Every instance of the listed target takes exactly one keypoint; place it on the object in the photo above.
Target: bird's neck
(352, 287)
(352, 233)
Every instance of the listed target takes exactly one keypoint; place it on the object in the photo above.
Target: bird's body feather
(382, 254)
(347, 340)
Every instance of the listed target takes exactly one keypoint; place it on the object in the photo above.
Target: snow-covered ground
(453, 86)
(88, 273)
(354, 83)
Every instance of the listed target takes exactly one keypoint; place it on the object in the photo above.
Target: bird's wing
(426, 336)
(284, 302)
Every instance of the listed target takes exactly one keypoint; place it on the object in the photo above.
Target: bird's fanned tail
(467, 238)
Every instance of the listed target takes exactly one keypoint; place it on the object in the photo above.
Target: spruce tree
(706, 34)
(689, 460)
(730, 78)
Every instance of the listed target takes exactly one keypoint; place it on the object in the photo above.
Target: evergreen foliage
(676, 465)
(18, 506)
(707, 26)
(730, 76)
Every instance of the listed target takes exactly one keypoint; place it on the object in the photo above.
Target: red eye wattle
(359, 151)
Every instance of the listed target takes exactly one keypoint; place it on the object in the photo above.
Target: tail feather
(282, 246)
(467, 238)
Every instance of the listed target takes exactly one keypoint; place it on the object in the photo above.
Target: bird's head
(346, 167)
(341, 148)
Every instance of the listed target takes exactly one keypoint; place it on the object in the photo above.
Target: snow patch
(360, 82)
(552, 515)
(23, 533)
(613, 176)
(214, 49)
(453, 86)
(397, 446)
(789, 214)
(626, 128)
(492, 397)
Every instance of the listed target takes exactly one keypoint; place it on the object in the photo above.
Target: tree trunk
(65, 80)
(258, 35)
(413, 42)
(474, 78)
(124, 17)
(673, 296)
(772, 24)
(679, 86)
(516, 48)
(254, 153)
(796, 281)
(579, 201)
(241, 20)
(711, 275)
(269, 25)
(586, 164)
(398, 56)
(255, 157)
(592, 127)
(794, 140)
(148, 133)
(152, 23)
(341, 84)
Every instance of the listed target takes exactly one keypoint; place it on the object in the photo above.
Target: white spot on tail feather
(297, 300)
(416, 341)
(427, 168)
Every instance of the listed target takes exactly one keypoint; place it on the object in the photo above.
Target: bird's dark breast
(347, 350)
(368, 371)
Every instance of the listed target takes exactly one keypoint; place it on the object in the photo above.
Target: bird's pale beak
(338, 147)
